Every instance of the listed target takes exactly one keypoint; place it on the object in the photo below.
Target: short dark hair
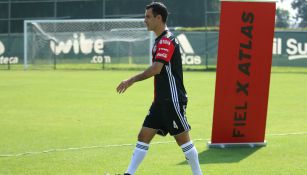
(158, 8)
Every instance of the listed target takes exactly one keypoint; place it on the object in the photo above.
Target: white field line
(119, 145)
(286, 134)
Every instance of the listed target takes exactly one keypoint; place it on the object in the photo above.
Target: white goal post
(87, 43)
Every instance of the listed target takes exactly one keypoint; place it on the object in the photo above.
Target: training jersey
(168, 85)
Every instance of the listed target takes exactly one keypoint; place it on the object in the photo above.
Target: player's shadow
(227, 155)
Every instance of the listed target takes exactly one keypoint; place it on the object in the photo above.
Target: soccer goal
(86, 44)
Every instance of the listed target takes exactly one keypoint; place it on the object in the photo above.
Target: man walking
(167, 112)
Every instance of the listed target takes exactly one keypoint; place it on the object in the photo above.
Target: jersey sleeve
(165, 49)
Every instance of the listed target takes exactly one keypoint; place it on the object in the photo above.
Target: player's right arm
(153, 70)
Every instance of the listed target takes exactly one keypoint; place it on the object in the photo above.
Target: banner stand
(243, 73)
(231, 145)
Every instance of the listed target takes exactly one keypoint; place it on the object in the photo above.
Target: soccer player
(167, 112)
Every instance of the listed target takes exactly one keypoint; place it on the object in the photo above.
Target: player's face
(150, 20)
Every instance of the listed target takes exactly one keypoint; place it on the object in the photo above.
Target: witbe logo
(81, 44)
(4, 59)
(188, 54)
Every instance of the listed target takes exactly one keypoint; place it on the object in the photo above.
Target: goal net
(86, 44)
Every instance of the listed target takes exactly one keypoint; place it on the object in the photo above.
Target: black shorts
(167, 117)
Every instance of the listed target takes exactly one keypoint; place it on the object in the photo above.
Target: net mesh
(86, 44)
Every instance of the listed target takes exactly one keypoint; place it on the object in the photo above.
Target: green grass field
(44, 113)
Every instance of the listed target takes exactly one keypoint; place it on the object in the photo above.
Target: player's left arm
(153, 70)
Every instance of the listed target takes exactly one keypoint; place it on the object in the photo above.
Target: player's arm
(154, 69)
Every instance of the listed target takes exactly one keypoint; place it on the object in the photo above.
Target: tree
(301, 16)
(282, 18)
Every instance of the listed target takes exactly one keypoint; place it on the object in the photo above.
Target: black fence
(182, 13)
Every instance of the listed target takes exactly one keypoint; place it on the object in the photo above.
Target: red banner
(243, 72)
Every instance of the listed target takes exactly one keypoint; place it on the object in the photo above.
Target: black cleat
(126, 174)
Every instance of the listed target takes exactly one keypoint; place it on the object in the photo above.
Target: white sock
(137, 157)
(192, 157)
